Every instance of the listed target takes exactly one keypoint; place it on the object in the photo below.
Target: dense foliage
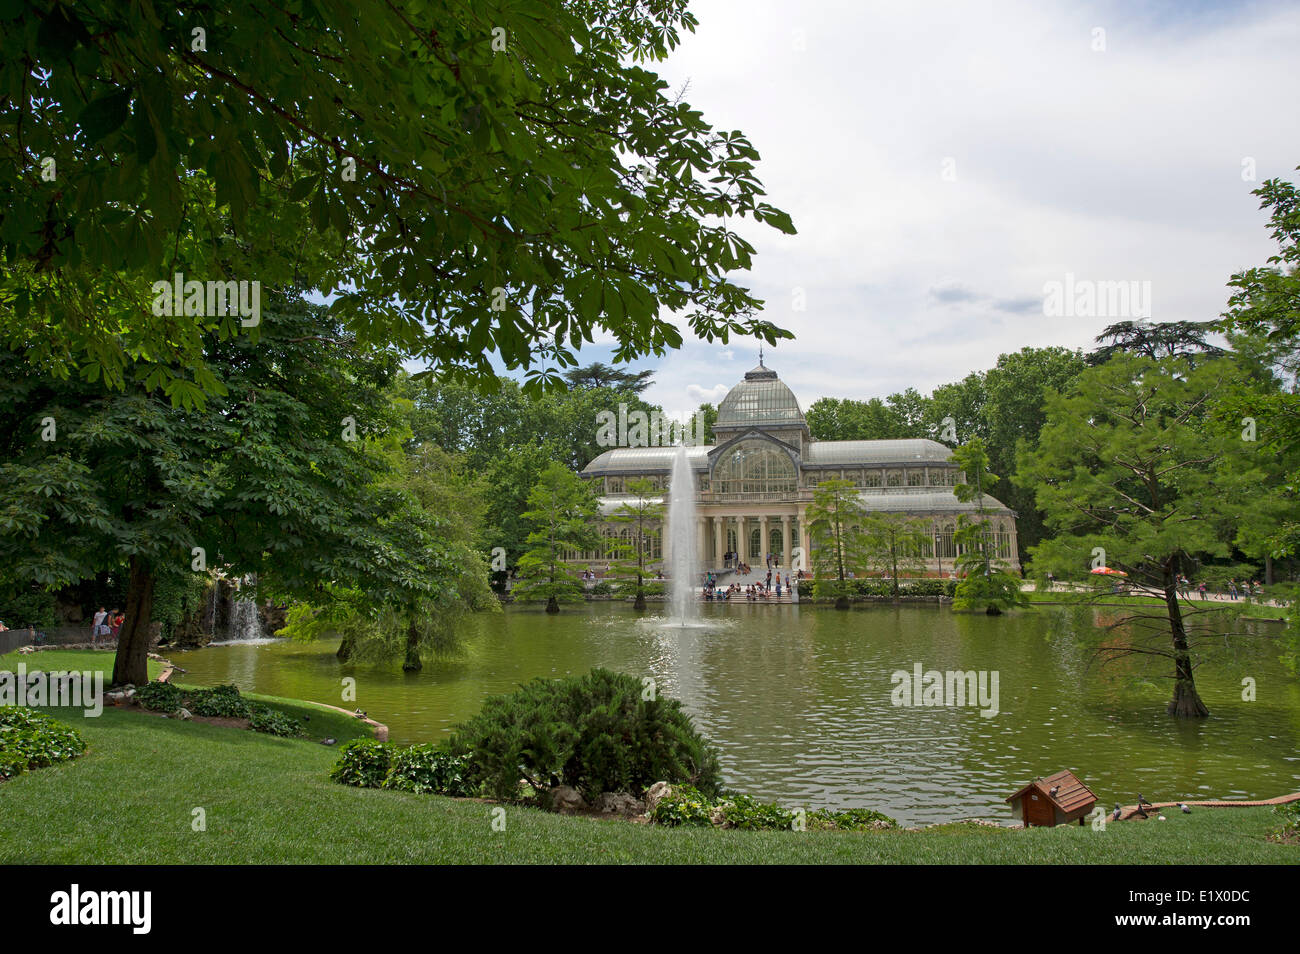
(596, 732)
(218, 702)
(473, 180)
(32, 740)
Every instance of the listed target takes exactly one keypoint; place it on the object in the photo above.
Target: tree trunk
(842, 602)
(1268, 570)
(639, 602)
(346, 648)
(552, 605)
(412, 663)
(131, 665)
(1186, 702)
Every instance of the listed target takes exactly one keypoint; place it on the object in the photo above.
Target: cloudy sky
(943, 161)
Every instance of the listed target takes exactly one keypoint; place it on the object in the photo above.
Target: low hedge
(875, 588)
(422, 768)
(219, 702)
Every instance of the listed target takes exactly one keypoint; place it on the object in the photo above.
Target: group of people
(1234, 590)
(752, 592)
(105, 624)
(732, 559)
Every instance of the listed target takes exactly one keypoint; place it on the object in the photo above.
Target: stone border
(380, 730)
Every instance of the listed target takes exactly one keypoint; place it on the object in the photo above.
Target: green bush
(221, 702)
(427, 768)
(1288, 816)
(594, 732)
(159, 696)
(745, 812)
(272, 721)
(686, 806)
(30, 740)
(364, 763)
(875, 588)
(602, 588)
(12, 764)
(852, 819)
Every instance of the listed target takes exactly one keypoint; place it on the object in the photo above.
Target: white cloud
(1122, 165)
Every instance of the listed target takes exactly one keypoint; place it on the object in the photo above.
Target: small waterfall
(682, 536)
(245, 624)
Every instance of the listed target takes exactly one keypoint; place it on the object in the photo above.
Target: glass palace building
(754, 484)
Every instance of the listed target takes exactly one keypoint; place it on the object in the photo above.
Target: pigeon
(1053, 790)
(328, 741)
(1115, 815)
(1183, 806)
(360, 713)
(1160, 817)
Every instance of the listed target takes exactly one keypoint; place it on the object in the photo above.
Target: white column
(742, 548)
(762, 537)
(785, 539)
(718, 538)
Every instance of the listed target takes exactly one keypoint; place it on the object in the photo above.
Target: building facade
(755, 482)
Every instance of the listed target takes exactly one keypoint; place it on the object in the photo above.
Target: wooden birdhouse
(1055, 800)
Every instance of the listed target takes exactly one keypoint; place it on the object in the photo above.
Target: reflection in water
(798, 701)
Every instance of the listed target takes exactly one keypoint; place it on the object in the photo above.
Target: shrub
(852, 819)
(272, 721)
(12, 764)
(593, 732)
(684, 805)
(426, 768)
(30, 740)
(602, 588)
(159, 696)
(364, 763)
(221, 702)
(744, 812)
(1288, 816)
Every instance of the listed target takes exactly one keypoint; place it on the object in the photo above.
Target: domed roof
(760, 399)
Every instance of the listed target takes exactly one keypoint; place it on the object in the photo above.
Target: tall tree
(280, 477)
(1126, 471)
(642, 513)
(986, 581)
(473, 181)
(1160, 339)
(1016, 389)
(562, 512)
(598, 375)
(893, 544)
(835, 520)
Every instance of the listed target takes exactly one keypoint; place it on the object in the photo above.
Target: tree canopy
(466, 180)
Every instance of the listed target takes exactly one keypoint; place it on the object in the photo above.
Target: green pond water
(799, 701)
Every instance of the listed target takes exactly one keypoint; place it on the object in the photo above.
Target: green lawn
(130, 799)
(79, 660)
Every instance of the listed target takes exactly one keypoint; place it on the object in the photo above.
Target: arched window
(872, 479)
(895, 478)
(754, 467)
(615, 485)
(915, 478)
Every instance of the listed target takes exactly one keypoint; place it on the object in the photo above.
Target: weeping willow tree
(442, 519)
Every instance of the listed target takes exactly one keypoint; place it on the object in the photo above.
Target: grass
(131, 799)
(80, 660)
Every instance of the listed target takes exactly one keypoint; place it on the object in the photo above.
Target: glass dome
(759, 399)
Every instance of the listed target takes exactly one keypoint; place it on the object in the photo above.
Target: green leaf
(102, 116)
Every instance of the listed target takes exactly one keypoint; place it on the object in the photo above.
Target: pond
(799, 701)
